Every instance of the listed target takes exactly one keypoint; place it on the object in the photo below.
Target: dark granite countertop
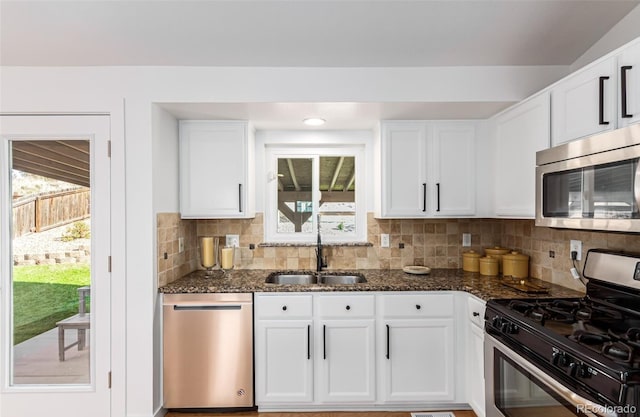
(377, 280)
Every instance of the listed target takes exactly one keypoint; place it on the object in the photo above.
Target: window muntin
(308, 188)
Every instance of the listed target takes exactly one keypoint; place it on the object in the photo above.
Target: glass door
(55, 229)
(520, 394)
(605, 191)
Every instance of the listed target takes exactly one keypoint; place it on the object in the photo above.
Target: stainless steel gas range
(568, 357)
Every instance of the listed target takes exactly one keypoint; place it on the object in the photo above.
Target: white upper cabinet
(585, 103)
(404, 177)
(427, 169)
(216, 169)
(520, 132)
(629, 93)
(454, 169)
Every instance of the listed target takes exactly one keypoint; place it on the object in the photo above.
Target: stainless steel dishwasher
(208, 350)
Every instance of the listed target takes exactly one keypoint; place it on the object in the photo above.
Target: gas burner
(522, 307)
(619, 351)
(566, 305)
(589, 338)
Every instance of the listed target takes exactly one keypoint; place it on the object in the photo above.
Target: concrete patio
(36, 361)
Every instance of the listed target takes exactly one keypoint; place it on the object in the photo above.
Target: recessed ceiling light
(314, 121)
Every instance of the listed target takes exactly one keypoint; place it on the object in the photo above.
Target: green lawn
(43, 295)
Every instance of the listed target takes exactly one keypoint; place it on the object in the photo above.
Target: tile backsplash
(432, 242)
(173, 264)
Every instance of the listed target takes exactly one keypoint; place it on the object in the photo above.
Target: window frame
(274, 152)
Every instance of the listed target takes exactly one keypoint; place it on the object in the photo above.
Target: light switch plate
(180, 244)
(232, 240)
(466, 239)
(384, 240)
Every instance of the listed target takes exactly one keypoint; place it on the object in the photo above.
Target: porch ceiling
(64, 160)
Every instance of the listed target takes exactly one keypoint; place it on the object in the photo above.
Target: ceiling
(64, 160)
(308, 33)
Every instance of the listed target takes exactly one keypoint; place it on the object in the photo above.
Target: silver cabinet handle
(196, 308)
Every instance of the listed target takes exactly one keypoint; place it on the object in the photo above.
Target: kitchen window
(315, 188)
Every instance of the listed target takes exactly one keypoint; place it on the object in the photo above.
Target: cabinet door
(629, 67)
(475, 361)
(419, 362)
(577, 110)
(454, 190)
(214, 164)
(284, 361)
(404, 182)
(520, 133)
(346, 361)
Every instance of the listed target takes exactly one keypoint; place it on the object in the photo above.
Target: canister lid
(496, 250)
(489, 260)
(471, 254)
(515, 256)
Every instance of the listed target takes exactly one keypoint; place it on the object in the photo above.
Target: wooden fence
(37, 213)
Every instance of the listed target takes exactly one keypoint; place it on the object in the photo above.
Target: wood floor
(465, 413)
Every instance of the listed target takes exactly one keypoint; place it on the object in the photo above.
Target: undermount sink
(331, 279)
(284, 278)
(304, 278)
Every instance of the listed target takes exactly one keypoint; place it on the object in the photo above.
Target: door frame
(116, 113)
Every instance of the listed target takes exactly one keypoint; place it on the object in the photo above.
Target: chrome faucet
(321, 260)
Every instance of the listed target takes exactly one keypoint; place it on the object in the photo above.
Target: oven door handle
(586, 406)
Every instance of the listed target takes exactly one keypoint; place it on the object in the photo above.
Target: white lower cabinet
(345, 336)
(416, 347)
(334, 350)
(475, 354)
(419, 359)
(283, 354)
(346, 371)
(283, 349)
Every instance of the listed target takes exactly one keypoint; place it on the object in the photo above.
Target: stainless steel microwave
(591, 183)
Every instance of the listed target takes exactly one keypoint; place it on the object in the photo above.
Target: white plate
(415, 269)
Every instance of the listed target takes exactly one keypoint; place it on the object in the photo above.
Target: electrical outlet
(466, 239)
(576, 246)
(180, 244)
(232, 240)
(384, 240)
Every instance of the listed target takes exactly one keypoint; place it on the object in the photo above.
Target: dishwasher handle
(206, 307)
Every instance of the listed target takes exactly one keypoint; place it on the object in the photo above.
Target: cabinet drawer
(475, 311)
(284, 306)
(345, 306)
(417, 305)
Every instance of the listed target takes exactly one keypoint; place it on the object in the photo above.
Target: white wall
(165, 161)
(139, 153)
(165, 200)
(625, 31)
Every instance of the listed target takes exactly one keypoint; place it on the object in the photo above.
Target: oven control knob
(507, 327)
(561, 359)
(496, 322)
(580, 370)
